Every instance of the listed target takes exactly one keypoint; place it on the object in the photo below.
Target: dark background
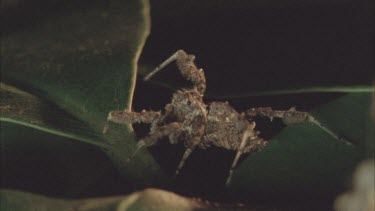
(250, 46)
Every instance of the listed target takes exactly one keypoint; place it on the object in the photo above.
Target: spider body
(225, 128)
(188, 108)
(187, 119)
(222, 125)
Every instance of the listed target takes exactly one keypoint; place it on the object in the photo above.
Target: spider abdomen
(224, 127)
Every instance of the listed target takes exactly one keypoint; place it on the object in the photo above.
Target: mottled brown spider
(189, 120)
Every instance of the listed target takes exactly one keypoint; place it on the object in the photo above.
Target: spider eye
(188, 102)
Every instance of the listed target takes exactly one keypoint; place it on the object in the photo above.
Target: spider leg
(162, 65)
(290, 117)
(153, 137)
(191, 146)
(188, 69)
(128, 117)
(186, 155)
(250, 142)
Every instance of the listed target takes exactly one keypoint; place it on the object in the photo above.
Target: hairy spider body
(225, 128)
(187, 119)
(222, 125)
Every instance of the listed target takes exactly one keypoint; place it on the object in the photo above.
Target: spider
(189, 120)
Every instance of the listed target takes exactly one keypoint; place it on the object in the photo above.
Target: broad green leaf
(149, 199)
(304, 156)
(23, 108)
(84, 62)
(45, 163)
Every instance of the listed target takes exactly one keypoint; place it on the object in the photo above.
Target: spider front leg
(250, 142)
(156, 135)
(186, 154)
(290, 117)
(129, 117)
(185, 63)
(191, 146)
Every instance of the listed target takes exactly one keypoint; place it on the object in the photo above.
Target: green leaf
(84, 62)
(149, 199)
(33, 160)
(23, 108)
(304, 156)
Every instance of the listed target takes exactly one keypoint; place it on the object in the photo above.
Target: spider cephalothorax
(189, 120)
(188, 103)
